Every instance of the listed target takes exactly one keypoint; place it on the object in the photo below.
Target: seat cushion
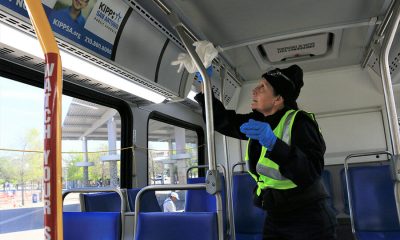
(172, 226)
(242, 236)
(92, 225)
(378, 235)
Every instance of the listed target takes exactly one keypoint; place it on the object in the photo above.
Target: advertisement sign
(93, 24)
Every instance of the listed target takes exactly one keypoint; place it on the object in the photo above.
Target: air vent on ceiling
(279, 50)
(295, 48)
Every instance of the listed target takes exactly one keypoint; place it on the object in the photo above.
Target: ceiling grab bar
(389, 96)
(377, 37)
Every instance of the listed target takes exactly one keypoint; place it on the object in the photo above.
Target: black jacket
(302, 161)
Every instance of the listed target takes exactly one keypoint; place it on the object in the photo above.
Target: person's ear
(279, 100)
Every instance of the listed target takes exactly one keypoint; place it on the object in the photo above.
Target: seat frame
(349, 194)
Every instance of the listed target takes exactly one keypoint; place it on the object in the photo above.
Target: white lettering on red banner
(50, 146)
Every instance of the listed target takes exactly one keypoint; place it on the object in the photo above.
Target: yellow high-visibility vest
(268, 170)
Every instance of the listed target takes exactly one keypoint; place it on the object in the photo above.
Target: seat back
(149, 201)
(202, 201)
(372, 198)
(249, 219)
(101, 202)
(327, 182)
(92, 225)
(199, 200)
(172, 226)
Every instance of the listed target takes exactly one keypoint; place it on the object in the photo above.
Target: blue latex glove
(261, 131)
(209, 71)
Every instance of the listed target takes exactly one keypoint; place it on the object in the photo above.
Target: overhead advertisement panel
(93, 24)
(131, 42)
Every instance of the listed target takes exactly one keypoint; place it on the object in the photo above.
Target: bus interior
(131, 132)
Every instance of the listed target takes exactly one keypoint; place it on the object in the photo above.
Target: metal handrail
(221, 59)
(95, 190)
(194, 167)
(379, 34)
(238, 164)
(156, 188)
(349, 197)
(205, 166)
(229, 211)
(386, 79)
(207, 95)
(228, 175)
(389, 97)
(187, 40)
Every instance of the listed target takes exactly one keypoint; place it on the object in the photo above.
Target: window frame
(35, 78)
(161, 117)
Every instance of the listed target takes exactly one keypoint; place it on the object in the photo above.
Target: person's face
(79, 4)
(264, 99)
(173, 199)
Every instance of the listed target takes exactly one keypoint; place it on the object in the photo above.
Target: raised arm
(226, 122)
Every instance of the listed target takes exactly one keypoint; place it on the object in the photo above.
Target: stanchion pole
(52, 197)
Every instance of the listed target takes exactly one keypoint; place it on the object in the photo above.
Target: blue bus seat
(176, 226)
(149, 201)
(202, 201)
(249, 219)
(327, 182)
(101, 202)
(92, 225)
(344, 192)
(199, 200)
(373, 202)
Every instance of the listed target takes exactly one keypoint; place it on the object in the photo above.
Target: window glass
(173, 150)
(90, 137)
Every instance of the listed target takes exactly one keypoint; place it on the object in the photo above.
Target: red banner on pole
(50, 145)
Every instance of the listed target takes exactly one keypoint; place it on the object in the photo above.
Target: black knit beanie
(286, 82)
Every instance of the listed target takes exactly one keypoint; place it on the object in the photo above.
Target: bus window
(90, 158)
(172, 151)
(91, 136)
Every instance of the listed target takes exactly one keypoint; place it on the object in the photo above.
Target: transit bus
(94, 149)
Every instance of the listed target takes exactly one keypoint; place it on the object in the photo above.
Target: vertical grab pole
(229, 173)
(207, 94)
(389, 97)
(52, 122)
(212, 173)
(213, 183)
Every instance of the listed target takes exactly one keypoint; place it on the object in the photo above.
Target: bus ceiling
(251, 38)
(255, 37)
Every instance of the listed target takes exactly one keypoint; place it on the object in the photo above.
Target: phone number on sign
(97, 45)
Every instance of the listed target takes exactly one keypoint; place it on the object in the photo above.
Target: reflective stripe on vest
(270, 176)
(272, 169)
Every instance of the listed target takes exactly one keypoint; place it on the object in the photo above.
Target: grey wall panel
(352, 132)
(140, 46)
(147, 52)
(168, 75)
